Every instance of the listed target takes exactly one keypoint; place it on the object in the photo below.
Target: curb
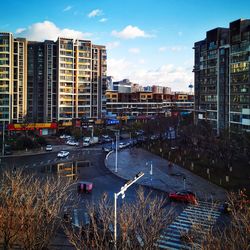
(121, 177)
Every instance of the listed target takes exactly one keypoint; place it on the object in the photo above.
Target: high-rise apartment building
(6, 76)
(13, 78)
(42, 75)
(48, 81)
(99, 81)
(65, 79)
(82, 69)
(35, 89)
(222, 77)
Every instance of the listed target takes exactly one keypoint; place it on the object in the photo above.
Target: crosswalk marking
(202, 216)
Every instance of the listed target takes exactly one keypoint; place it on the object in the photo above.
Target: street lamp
(3, 141)
(116, 150)
(116, 195)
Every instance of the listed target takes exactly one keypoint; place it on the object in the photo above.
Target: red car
(84, 187)
(185, 196)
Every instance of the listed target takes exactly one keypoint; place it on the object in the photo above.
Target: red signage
(31, 126)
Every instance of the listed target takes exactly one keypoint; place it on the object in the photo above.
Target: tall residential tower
(222, 77)
(13, 78)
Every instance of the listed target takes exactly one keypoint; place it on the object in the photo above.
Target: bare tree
(235, 234)
(30, 209)
(139, 224)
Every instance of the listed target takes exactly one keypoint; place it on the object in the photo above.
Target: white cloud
(130, 32)
(141, 61)
(103, 20)
(161, 49)
(94, 13)
(177, 78)
(20, 30)
(49, 31)
(134, 50)
(112, 45)
(119, 68)
(67, 8)
(175, 48)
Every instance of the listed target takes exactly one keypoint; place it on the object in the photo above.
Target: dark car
(184, 196)
(7, 152)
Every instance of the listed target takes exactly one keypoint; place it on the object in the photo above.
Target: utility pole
(116, 151)
(116, 195)
(3, 141)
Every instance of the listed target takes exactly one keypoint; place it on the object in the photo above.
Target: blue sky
(148, 41)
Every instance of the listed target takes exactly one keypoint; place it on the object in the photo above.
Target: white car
(72, 143)
(48, 148)
(123, 145)
(62, 154)
(86, 143)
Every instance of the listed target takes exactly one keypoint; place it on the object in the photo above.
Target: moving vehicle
(84, 187)
(106, 138)
(184, 196)
(63, 154)
(107, 149)
(87, 141)
(72, 143)
(123, 145)
(48, 148)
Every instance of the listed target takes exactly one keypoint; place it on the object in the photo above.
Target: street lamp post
(3, 134)
(116, 195)
(116, 150)
(151, 170)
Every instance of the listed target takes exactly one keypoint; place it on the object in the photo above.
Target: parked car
(84, 187)
(65, 136)
(63, 154)
(184, 196)
(48, 148)
(7, 152)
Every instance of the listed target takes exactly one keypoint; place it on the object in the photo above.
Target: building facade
(51, 81)
(147, 103)
(221, 77)
(13, 78)
(42, 76)
(35, 91)
(81, 80)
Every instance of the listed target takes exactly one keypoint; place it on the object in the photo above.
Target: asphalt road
(96, 172)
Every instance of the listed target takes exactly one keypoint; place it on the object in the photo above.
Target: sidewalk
(165, 178)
